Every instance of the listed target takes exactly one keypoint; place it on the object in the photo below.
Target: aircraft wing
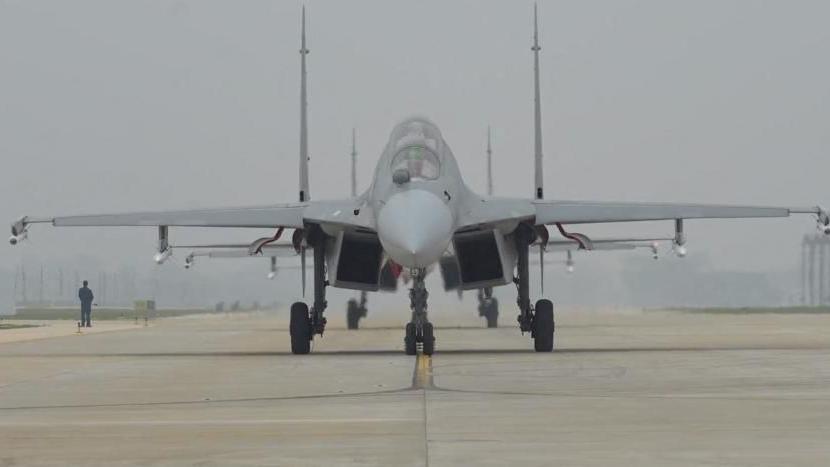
(290, 215)
(277, 215)
(584, 212)
(491, 211)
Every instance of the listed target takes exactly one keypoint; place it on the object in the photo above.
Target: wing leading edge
(543, 212)
(278, 215)
(583, 212)
(290, 215)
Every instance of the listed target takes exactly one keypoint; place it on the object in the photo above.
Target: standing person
(85, 294)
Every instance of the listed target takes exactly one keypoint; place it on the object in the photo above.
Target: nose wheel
(419, 330)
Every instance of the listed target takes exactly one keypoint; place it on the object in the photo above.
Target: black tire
(353, 315)
(428, 345)
(409, 342)
(300, 329)
(543, 326)
(492, 313)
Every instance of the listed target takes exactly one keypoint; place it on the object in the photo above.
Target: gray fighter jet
(417, 207)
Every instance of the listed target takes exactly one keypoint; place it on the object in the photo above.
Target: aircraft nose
(415, 228)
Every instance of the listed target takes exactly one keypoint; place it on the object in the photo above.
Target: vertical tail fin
(489, 165)
(305, 194)
(537, 111)
(354, 165)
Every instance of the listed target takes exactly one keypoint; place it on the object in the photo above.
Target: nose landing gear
(419, 330)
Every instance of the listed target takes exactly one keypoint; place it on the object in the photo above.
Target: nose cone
(415, 228)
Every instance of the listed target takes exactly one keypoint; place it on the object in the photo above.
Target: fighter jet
(416, 207)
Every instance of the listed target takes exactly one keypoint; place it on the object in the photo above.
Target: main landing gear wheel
(300, 329)
(427, 339)
(410, 341)
(543, 326)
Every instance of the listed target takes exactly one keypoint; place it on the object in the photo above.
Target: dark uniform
(85, 294)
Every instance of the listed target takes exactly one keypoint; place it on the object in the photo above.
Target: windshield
(421, 162)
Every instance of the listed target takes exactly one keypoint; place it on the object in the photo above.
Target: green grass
(812, 310)
(100, 314)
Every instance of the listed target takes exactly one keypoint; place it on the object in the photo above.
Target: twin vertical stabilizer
(537, 112)
(305, 194)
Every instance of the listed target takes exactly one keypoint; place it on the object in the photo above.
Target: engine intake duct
(479, 261)
(359, 262)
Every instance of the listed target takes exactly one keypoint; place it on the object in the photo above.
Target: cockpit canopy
(421, 162)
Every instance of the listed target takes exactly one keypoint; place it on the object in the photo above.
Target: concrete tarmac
(636, 388)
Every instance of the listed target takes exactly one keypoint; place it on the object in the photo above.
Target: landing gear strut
(355, 311)
(488, 307)
(538, 320)
(306, 323)
(419, 329)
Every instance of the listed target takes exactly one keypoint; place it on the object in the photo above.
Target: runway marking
(422, 376)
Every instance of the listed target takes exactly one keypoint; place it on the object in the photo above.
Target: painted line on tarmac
(422, 376)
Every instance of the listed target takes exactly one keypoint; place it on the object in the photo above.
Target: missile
(272, 275)
(162, 256)
(681, 251)
(15, 239)
(18, 234)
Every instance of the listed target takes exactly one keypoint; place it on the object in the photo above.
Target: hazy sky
(126, 105)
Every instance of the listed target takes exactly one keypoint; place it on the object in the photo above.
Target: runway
(636, 388)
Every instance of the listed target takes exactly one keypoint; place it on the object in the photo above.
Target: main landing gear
(306, 323)
(538, 320)
(419, 329)
(488, 307)
(355, 311)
